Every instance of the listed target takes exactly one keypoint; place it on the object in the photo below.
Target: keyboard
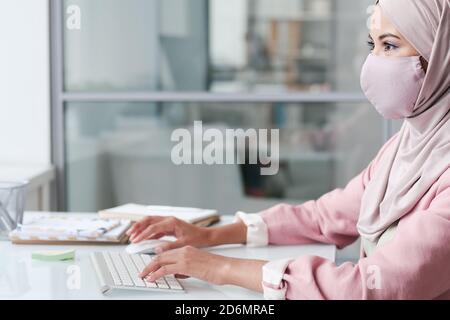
(117, 270)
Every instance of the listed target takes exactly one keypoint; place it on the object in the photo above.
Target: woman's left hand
(192, 262)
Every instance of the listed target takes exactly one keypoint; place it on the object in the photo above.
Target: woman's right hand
(156, 227)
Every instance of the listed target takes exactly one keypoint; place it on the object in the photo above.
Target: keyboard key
(151, 284)
(139, 282)
(176, 286)
(173, 283)
(170, 278)
(146, 258)
(121, 269)
(132, 270)
(138, 262)
(162, 283)
(112, 269)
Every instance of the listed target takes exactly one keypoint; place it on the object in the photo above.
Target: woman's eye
(389, 47)
(371, 45)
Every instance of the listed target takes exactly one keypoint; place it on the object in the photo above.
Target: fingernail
(158, 250)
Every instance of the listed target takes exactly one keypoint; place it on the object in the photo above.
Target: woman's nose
(377, 51)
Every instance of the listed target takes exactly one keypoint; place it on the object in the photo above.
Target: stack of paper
(59, 229)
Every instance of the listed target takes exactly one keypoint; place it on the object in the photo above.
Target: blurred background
(89, 111)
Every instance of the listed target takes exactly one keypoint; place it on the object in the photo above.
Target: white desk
(24, 278)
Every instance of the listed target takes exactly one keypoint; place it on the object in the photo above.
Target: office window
(136, 70)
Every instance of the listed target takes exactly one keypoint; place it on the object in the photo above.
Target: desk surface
(24, 278)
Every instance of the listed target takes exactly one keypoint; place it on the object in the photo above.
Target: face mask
(392, 85)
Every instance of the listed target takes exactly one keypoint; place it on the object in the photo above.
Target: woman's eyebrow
(387, 35)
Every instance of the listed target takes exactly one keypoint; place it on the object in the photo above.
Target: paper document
(135, 212)
(63, 228)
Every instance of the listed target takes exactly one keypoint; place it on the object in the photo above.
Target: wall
(24, 82)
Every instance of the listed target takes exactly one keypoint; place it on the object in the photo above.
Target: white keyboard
(117, 270)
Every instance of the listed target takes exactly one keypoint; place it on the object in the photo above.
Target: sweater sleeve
(414, 265)
(330, 219)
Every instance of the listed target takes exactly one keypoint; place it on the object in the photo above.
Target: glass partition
(124, 152)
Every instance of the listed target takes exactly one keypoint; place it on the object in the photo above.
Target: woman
(399, 205)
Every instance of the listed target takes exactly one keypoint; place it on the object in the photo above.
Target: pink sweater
(415, 264)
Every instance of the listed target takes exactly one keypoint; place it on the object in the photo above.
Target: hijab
(421, 150)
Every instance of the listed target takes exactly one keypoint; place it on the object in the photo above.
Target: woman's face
(385, 40)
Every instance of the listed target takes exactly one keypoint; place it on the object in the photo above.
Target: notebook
(58, 229)
(136, 212)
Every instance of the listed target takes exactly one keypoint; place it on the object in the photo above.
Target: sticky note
(54, 255)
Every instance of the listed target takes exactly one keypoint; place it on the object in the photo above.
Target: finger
(157, 262)
(137, 227)
(132, 229)
(136, 224)
(143, 223)
(140, 226)
(169, 246)
(156, 236)
(153, 266)
(165, 226)
(165, 270)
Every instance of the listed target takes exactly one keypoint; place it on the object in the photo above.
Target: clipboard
(38, 241)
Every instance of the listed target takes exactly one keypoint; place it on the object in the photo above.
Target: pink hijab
(422, 147)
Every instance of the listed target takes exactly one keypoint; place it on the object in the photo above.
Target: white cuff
(257, 232)
(273, 286)
(274, 294)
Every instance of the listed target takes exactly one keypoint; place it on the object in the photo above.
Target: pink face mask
(392, 85)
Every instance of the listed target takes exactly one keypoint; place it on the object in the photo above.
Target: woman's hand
(187, 262)
(192, 262)
(157, 227)
(187, 234)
